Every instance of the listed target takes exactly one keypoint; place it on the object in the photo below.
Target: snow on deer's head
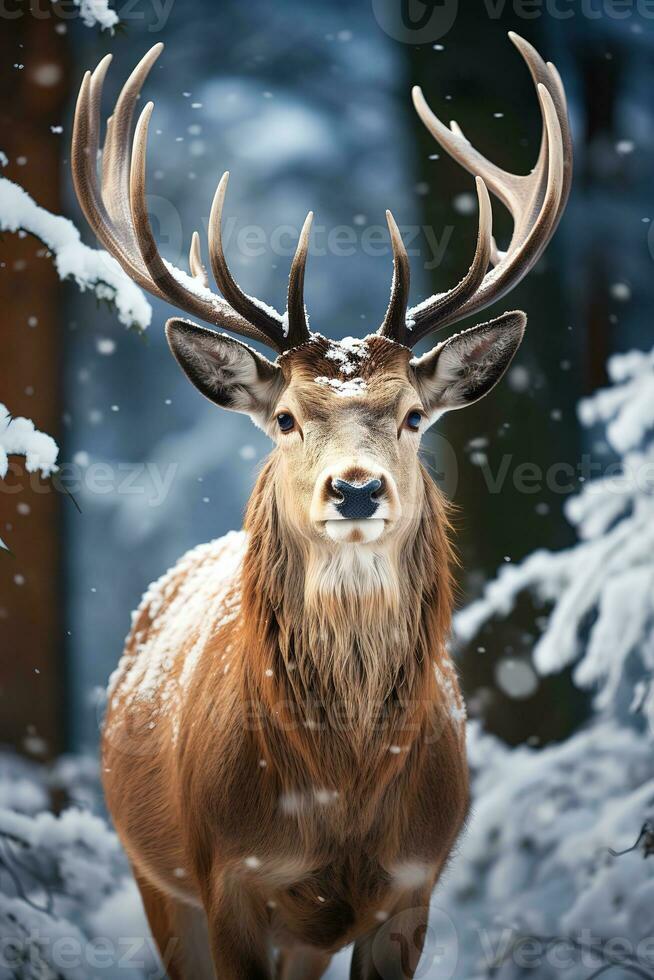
(347, 417)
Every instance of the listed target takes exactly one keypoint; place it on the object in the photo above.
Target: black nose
(357, 503)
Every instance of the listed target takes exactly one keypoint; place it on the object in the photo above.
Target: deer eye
(413, 420)
(285, 421)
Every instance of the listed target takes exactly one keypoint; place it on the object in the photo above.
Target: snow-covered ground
(69, 907)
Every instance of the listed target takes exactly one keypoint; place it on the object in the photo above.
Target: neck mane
(339, 643)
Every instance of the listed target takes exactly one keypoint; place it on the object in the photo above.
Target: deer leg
(180, 933)
(393, 950)
(302, 963)
(238, 933)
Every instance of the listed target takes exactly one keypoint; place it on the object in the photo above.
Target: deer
(284, 751)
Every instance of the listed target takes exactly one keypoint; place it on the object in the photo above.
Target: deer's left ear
(227, 372)
(464, 368)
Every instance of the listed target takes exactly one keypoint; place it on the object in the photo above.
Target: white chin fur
(355, 532)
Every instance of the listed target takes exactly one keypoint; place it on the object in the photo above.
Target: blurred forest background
(309, 107)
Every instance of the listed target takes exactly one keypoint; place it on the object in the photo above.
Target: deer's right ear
(227, 372)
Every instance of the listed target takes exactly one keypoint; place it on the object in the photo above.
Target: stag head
(347, 416)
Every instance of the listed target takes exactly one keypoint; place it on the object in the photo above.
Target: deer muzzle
(354, 504)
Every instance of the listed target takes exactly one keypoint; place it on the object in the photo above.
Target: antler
(119, 217)
(535, 201)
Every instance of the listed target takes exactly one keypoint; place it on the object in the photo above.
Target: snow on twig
(19, 437)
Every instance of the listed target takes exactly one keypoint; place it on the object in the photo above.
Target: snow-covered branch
(90, 268)
(549, 863)
(19, 437)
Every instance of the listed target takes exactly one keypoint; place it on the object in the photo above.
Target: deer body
(315, 843)
(284, 747)
(299, 757)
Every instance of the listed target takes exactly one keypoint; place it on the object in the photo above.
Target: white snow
(90, 268)
(97, 12)
(198, 288)
(535, 860)
(270, 310)
(419, 307)
(346, 389)
(204, 577)
(628, 407)
(65, 881)
(446, 678)
(348, 354)
(19, 437)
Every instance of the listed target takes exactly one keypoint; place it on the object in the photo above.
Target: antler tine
(558, 81)
(263, 317)
(116, 150)
(505, 186)
(525, 251)
(547, 75)
(429, 315)
(298, 329)
(195, 262)
(395, 324)
(116, 227)
(210, 308)
(83, 164)
(535, 201)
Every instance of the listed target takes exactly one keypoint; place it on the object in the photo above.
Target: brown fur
(307, 778)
